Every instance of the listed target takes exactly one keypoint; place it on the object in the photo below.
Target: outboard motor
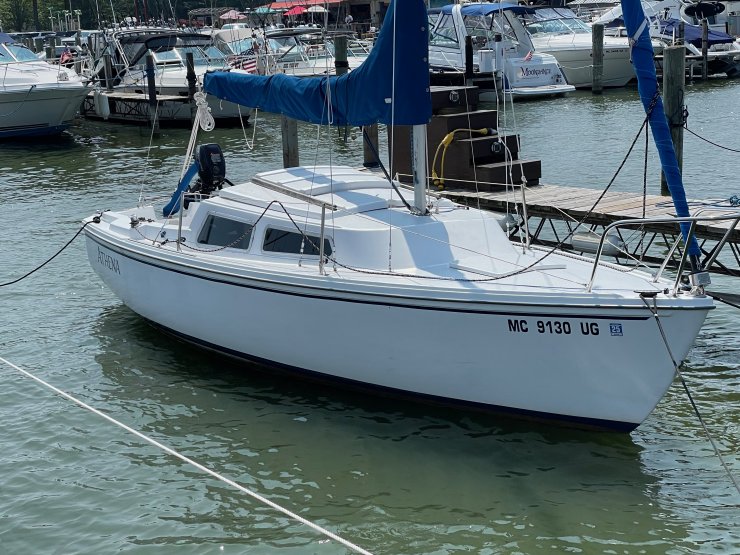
(211, 169)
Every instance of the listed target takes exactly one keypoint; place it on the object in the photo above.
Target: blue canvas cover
(647, 86)
(692, 33)
(361, 97)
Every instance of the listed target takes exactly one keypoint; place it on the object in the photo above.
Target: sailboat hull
(601, 366)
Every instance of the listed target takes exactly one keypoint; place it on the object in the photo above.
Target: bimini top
(487, 8)
(364, 96)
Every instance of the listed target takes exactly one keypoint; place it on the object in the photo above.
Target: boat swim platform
(554, 210)
(134, 108)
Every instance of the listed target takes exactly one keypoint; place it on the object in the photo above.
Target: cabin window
(223, 232)
(278, 240)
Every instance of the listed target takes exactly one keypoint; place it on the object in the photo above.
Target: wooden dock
(553, 211)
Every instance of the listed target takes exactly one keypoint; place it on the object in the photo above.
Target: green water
(389, 476)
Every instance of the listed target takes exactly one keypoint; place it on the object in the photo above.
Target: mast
(638, 30)
(419, 167)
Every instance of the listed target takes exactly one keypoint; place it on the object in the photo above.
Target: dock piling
(704, 49)
(152, 91)
(289, 128)
(674, 80)
(597, 50)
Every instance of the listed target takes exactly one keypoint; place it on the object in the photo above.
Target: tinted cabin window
(223, 232)
(277, 240)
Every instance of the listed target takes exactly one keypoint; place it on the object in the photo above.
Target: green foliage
(18, 15)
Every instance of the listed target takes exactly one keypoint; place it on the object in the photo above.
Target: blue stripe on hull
(559, 419)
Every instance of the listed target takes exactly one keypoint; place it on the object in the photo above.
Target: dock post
(704, 49)
(341, 65)
(340, 54)
(38, 45)
(151, 86)
(368, 154)
(597, 50)
(289, 128)
(50, 54)
(468, 60)
(674, 78)
(190, 77)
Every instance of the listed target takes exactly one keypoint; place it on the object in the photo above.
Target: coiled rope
(191, 462)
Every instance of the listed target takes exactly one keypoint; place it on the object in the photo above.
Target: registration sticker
(615, 329)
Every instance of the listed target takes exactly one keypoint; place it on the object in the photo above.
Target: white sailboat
(344, 275)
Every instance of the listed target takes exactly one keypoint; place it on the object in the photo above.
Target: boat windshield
(554, 22)
(16, 53)
(202, 56)
(482, 28)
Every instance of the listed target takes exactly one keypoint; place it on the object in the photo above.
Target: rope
(37, 268)
(654, 311)
(686, 127)
(191, 462)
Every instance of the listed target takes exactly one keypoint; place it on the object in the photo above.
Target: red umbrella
(296, 10)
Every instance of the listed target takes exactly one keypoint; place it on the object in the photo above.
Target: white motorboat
(344, 275)
(36, 98)
(558, 31)
(665, 17)
(129, 49)
(501, 47)
(301, 51)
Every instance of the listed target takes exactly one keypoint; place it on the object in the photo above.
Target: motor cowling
(211, 168)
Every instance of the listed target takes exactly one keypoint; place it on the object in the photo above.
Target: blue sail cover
(360, 97)
(647, 86)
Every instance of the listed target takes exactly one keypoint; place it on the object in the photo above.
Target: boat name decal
(108, 261)
(533, 72)
(560, 327)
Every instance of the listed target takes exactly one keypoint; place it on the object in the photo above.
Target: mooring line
(197, 465)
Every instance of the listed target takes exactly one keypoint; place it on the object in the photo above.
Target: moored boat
(345, 275)
(36, 98)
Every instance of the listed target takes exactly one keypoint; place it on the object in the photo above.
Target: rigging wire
(202, 468)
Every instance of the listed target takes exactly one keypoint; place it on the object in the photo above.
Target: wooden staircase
(472, 161)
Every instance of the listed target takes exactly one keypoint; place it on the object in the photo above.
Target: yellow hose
(438, 180)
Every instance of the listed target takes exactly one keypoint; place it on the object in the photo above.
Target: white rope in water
(199, 466)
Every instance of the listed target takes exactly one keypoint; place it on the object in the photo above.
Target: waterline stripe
(199, 466)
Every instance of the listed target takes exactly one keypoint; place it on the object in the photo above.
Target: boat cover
(692, 33)
(361, 97)
(647, 85)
